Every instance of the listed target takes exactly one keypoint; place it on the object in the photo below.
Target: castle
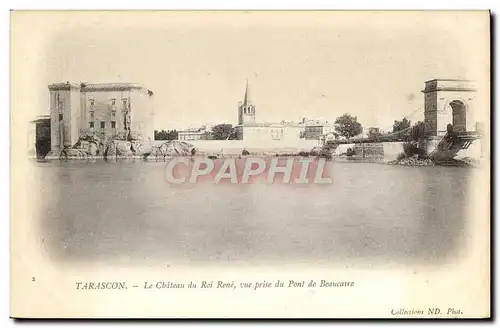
(105, 110)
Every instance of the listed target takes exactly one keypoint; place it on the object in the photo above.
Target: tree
(161, 135)
(418, 131)
(348, 126)
(166, 135)
(173, 135)
(207, 136)
(401, 125)
(223, 132)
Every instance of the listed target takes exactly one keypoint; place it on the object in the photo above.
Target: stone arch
(457, 110)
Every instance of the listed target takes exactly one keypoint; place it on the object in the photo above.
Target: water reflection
(372, 213)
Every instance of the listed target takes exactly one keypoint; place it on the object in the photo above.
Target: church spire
(246, 110)
(247, 100)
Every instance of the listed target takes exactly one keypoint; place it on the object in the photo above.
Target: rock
(140, 148)
(124, 148)
(135, 136)
(121, 136)
(93, 149)
(89, 136)
(315, 151)
(169, 149)
(176, 148)
(413, 161)
(71, 153)
(118, 148)
(110, 150)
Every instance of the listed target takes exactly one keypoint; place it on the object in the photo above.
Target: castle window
(60, 117)
(113, 125)
(103, 125)
(92, 102)
(91, 115)
(113, 101)
(91, 125)
(113, 113)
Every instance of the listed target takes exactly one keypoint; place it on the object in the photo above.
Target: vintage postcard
(250, 164)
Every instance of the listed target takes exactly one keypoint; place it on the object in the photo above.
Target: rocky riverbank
(463, 162)
(415, 161)
(123, 149)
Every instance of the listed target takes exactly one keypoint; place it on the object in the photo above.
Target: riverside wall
(235, 147)
(389, 151)
(376, 152)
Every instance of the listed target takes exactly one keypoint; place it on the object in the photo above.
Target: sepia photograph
(280, 163)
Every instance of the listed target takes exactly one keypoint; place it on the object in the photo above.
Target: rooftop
(113, 86)
(41, 119)
(269, 124)
(460, 80)
(449, 85)
(317, 123)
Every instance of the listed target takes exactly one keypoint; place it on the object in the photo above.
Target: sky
(313, 65)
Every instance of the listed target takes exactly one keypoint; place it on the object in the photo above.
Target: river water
(373, 213)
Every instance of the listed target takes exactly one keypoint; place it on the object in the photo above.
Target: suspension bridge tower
(449, 104)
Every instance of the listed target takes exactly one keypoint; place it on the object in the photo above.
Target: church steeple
(246, 110)
(247, 100)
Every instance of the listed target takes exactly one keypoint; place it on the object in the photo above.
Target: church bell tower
(246, 110)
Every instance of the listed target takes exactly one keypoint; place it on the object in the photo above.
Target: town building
(106, 110)
(193, 134)
(317, 129)
(264, 132)
(252, 132)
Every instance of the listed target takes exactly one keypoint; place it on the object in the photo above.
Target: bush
(410, 149)
(245, 152)
(350, 152)
(401, 156)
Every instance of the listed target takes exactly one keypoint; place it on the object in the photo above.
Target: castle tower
(64, 115)
(246, 110)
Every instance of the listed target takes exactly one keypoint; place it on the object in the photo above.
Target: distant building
(193, 134)
(103, 109)
(316, 129)
(39, 137)
(249, 130)
(373, 131)
(262, 132)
